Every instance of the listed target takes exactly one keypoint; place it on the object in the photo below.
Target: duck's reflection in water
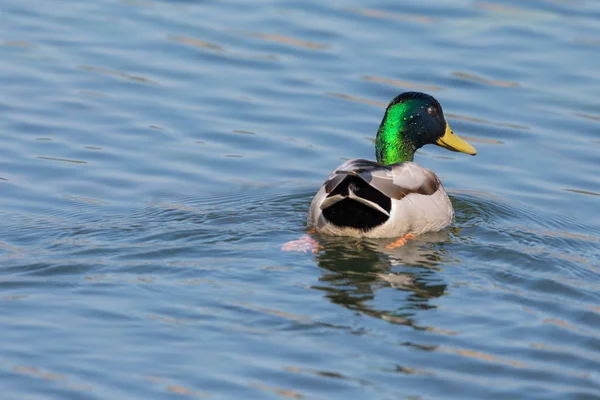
(353, 272)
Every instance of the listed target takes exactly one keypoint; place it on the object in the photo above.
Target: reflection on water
(118, 74)
(196, 42)
(367, 12)
(403, 84)
(289, 41)
(62, 159)
(475, 78)
(353, 273)
(587, 192)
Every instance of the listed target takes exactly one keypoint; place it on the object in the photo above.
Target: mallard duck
(392, 197)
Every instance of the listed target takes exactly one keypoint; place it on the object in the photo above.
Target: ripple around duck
(361, 279)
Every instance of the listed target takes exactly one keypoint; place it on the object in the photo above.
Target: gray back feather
(395, 181)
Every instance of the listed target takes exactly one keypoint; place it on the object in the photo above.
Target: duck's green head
(412, 120)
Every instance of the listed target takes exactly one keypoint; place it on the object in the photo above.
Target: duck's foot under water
(400, 242)
(304, 244)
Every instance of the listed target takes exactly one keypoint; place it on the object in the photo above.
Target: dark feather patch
(351, 213)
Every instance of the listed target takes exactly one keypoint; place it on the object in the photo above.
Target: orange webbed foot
(400, 242)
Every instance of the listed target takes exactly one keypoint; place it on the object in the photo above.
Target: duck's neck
(391, 144)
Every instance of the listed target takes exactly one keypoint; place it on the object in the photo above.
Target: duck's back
(365, 198)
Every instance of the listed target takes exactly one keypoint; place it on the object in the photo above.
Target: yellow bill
(452, 142)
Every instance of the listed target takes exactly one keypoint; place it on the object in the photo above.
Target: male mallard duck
(393, 197)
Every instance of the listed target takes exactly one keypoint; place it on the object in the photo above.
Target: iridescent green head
(412, 120)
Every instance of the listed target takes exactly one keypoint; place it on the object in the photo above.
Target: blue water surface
(156, 154)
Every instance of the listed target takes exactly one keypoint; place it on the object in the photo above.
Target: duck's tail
(354, 203)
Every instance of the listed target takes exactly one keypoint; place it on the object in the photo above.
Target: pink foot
(304, 244)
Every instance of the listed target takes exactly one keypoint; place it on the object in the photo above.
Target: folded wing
(360, 192)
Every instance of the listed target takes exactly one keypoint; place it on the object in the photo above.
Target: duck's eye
(432, 111)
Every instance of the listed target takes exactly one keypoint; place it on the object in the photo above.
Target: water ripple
(156, 154)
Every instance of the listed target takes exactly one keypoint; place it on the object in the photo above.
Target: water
(155, 155)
